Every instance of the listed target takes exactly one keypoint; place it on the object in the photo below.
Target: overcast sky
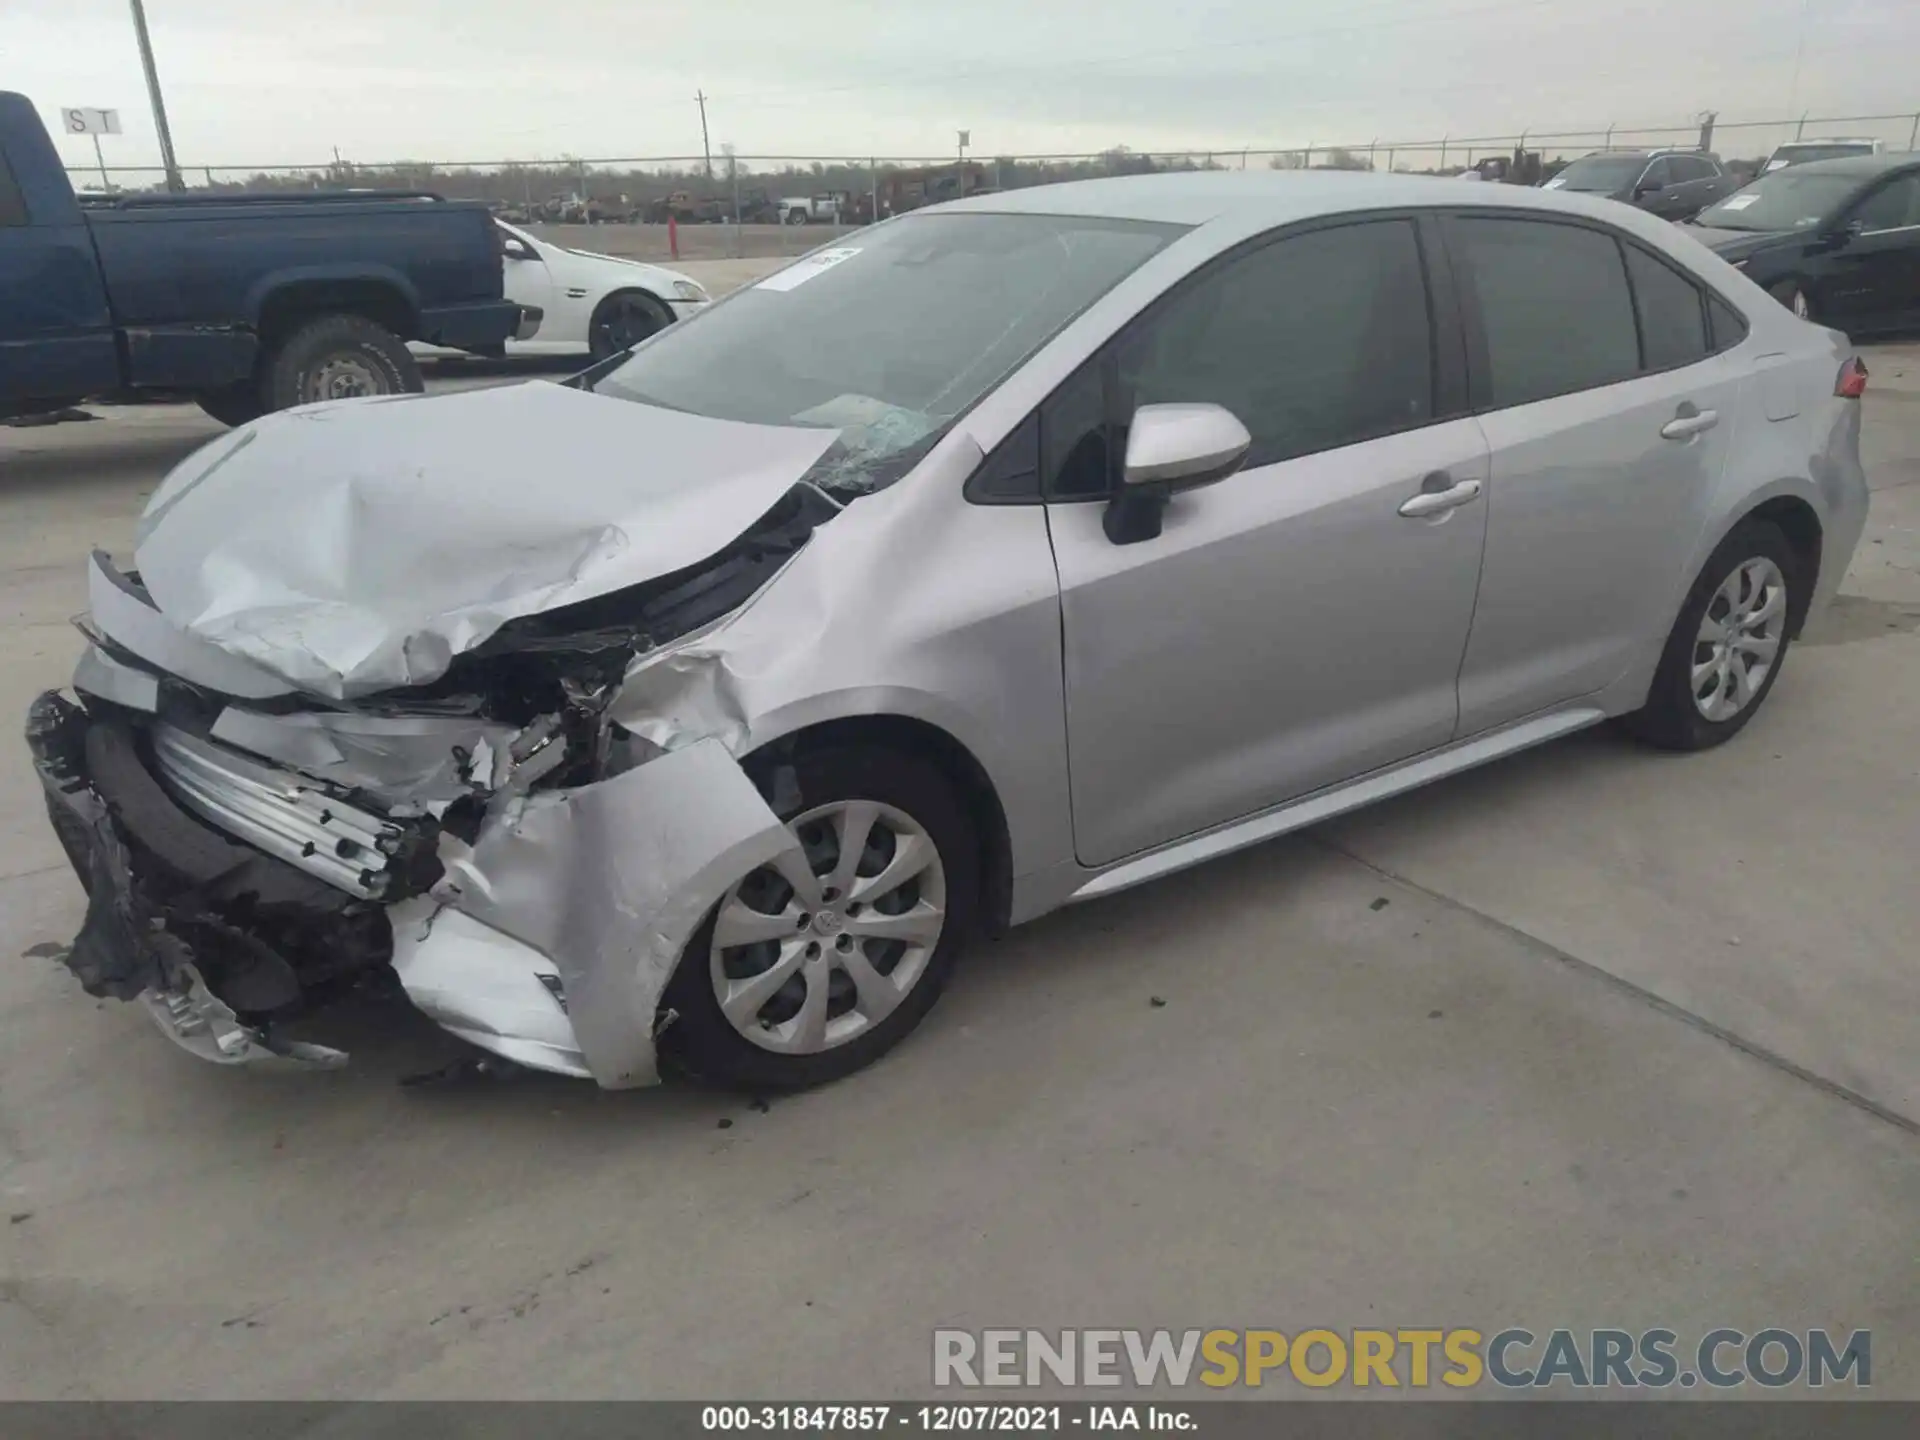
(257, 82)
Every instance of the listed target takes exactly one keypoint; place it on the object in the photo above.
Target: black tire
(374, 361)
(623, 319)
(700, 1043)
(1791, 294)
(1670, 720)
(235, 405)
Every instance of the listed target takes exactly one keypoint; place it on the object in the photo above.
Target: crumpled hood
(360, 545)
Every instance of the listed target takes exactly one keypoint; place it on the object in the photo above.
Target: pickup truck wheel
(339, 357)
(623, 320)
(235, 405)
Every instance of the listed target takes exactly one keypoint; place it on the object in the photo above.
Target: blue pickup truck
(247, 303)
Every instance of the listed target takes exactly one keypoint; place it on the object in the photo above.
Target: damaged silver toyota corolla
(702, 706)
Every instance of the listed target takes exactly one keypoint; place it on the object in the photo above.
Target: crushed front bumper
(217, 940)
(217, 895)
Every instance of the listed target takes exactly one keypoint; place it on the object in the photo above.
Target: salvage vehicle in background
(1802, 152)
(1038, 546)
(1673, 184)
(1835, 241)
(588, 303)
(247, 303)
(829, 209)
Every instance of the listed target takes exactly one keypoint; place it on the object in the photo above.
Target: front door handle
(1685, 426)
(1435, 502)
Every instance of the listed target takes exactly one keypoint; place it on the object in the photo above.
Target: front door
(1875, 274)
(1604, 454)
(1290, 627)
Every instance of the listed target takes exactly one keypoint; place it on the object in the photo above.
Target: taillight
(1852, 383)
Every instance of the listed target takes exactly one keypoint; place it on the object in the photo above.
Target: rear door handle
(1685, 427)
(1434, 502)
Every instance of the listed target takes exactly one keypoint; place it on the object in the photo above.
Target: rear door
(56, 334)
(1608, 418)
(1302, 621)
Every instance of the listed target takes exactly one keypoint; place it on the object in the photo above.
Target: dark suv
(1673, 184)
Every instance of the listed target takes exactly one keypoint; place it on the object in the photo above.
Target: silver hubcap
(345, 378)
(822, 945)
(1739, 638)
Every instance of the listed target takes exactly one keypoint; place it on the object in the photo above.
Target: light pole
(153, 93)
(961, 169)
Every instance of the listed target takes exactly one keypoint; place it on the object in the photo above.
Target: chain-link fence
(693, 207)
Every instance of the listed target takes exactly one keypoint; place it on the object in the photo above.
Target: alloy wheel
(1739, 638)
(820, 946)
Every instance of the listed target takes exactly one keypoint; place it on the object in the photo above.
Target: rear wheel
(1726, 649)
(815, 966)
(338, 357)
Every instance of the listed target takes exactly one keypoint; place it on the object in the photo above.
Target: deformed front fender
(608, 881)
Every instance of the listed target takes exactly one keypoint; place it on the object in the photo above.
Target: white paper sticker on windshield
(802, 271)
(1738, 202)
(1555, 183)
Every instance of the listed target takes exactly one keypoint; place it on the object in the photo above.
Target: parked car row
(1830, 227)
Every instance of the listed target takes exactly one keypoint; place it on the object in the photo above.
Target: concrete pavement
(1473, 1058)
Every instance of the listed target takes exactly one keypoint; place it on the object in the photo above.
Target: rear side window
(13, 208)
(1729, 326)
(1554, 307)
(1315, 341)
(1673, 326)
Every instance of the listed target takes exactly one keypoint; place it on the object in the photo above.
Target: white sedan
(596, 304)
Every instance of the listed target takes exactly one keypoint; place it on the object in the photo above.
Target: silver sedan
(1005, 555)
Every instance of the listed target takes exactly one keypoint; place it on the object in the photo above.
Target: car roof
(1271, 197)
(1861, 165)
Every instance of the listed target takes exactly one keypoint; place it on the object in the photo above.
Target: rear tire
(338, 357)
(904, 796)
(1687, 704)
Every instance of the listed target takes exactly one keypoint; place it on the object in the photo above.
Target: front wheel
(623, 320)
(814, 966)
(338, 357)
(1726, 649)
(1794, 296)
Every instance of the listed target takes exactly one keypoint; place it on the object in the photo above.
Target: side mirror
(1646, 188)
(515, 250)
(1171, 448)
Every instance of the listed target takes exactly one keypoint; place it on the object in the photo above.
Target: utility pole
(174, 182)
(705, 145)
(960, 170)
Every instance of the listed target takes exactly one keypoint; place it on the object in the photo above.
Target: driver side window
(1313, 342)
(1893, 206)
(1659, 175)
